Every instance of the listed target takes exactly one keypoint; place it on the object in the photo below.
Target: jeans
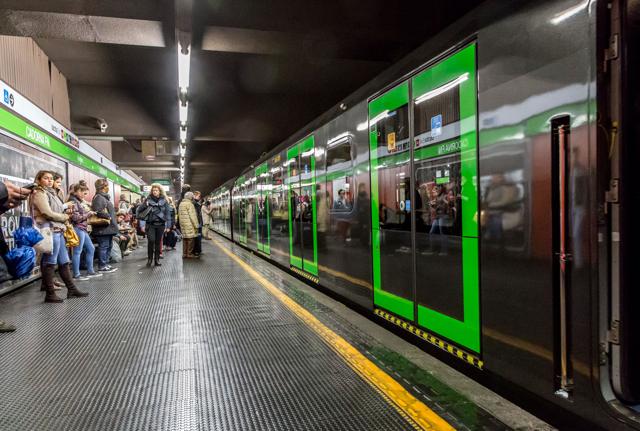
(89, 249)
(104, 250)
(59, 254)
(154, 240)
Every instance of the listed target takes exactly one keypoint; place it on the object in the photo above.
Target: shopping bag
(20, 261)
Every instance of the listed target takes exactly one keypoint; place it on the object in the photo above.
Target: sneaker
(80, 278)
(6, 327)
(107, 270)
(111, 267)
(126, 253)
(93, 274)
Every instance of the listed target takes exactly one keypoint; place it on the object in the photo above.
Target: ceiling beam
(82, 28)
(317, 45)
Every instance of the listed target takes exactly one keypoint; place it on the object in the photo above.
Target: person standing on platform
(49, 212)
(188, 220)
(207, 219)
(103, 207)
(79, 216)
(10, 197)
(156, 213)
(197, 248)
(171, 237)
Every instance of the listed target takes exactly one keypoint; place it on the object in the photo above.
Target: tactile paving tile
(195, 345)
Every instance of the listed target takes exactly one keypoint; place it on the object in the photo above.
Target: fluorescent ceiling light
(183, 134)
(568, 13)
(184, 61)
(362, 127)
(443, 88)
(184, 112)
(183, 150)
(307, 153)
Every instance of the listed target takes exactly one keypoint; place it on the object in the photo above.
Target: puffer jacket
(159, 214)
(103, 207)
(80, 213)
(188, 219)
(47, 209)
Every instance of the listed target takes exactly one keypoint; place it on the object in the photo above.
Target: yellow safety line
(412, 409)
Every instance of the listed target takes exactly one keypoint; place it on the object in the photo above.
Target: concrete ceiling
(259, 70)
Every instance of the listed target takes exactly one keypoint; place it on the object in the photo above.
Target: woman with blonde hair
(188, 219)
(156, 213)
(49, 212)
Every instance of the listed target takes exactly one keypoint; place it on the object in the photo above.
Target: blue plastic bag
(26, 235)
(20, 261)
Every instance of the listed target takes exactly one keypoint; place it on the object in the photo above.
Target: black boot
(72, 290)
(47, 281)
(157, 263)
(149, 261)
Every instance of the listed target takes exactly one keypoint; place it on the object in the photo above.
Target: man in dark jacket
(10, 197)
(104, 234)
(197, 203)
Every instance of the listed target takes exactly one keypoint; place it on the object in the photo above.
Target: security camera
(102, 125)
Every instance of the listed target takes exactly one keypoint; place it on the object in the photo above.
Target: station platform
(226, 342)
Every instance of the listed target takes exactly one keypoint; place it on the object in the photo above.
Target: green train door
(242, 210)
(262, 210)
(423, 141)
(301, 186)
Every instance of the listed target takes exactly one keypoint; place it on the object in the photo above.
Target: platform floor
(227, 342)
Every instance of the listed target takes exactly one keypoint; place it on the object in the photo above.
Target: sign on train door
(301, 186)
(262, 210)
(424, 205)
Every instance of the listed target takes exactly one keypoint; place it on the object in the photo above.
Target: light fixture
(184, 60)
(184, 112)
(183, 134)
(183, 150)
(442, 89)
(362, 127)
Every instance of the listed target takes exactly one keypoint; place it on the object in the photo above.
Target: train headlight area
(461, 174)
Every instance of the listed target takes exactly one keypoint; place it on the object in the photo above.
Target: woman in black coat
(157, 215)
(103, 207)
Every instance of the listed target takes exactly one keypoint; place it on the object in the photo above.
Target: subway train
(477, 194)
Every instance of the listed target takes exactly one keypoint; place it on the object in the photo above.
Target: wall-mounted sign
(25, 108)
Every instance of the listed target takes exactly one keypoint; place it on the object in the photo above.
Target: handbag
(94, 220)
(70, 236)
(46, 245)
(144, 213)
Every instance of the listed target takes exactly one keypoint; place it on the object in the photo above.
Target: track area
(220, 343)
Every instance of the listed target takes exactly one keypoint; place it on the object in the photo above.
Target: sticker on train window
(391, 142)
(436, 125)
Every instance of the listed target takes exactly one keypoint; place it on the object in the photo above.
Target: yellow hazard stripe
(430, 338)
(412, 409)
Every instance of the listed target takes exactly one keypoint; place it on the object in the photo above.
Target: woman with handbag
(103, 224)
(156, 213)
(79, 217)
(48, 214)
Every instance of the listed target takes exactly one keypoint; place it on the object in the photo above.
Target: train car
(474, 194)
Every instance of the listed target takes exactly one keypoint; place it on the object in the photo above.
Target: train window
(437, 119)
(340, 182)
(393, 131)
